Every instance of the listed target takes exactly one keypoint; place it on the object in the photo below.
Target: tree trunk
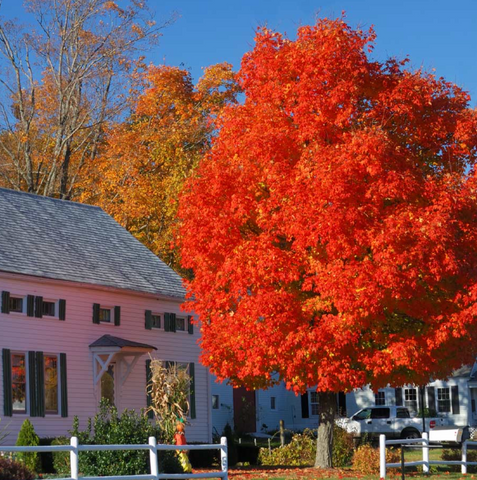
(324, 443)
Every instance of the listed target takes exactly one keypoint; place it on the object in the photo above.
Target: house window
(16, 304)
(105, 315)
(19, 382)
(180, 324)
(314, 403)
(215, 402)
(107, 385)
(48, 309)
(51, 384)
(443, 400)
(273, 403)
(156, 321)
(410, 399)
(380, 398)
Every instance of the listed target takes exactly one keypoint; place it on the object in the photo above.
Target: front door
(244, 410)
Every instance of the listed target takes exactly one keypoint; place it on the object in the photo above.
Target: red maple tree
(332, 229)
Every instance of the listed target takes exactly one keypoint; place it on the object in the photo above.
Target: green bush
(343, 447)
(61, 460)
(299, 452)
(231, 445)
(28, 438)
(456, 454)
(366, 459)
(12, 470)
(110, 428)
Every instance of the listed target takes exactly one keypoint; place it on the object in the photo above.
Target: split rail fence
(74, 448)
(425, 462)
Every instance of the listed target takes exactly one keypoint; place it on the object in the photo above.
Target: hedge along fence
(74, 448)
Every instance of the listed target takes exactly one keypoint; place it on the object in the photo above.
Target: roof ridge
(44, 197)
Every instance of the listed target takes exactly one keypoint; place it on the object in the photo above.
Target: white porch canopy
(124, 353)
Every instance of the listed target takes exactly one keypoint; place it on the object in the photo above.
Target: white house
(261, 410)
(454, 398)
(83, 304)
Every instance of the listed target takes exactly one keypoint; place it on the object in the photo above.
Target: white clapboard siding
(73, 337)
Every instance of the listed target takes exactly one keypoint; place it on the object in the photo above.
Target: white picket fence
(425, 462)
(74, 448)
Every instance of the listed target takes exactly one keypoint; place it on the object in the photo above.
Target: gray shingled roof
(110, 341)
(62, 240)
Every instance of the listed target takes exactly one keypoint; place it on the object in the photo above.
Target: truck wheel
(410, 433)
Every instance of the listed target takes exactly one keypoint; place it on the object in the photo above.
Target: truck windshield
(363, 415)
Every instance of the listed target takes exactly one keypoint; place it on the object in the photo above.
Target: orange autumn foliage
(147, 157)
(332, 229)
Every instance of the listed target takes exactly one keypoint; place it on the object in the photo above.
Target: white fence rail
(425, 462)
(74, 448)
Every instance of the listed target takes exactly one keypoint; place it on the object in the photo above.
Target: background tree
(332, 228)
(62, 81)
(146, 158)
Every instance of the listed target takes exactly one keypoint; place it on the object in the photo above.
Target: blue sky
(434, 33)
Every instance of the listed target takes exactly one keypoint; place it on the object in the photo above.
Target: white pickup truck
(394, 422)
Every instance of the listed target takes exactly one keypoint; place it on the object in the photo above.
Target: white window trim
(310, 403)
(185, 324)
(154, 314)
(24, 306)
(111, 314)
(56, 316)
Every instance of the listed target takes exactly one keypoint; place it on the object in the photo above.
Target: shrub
(299, 452)
(46, 458)
(456, 454)
(61, 460)
(366, 459)
(110, 428)
(203, 458)
(231, 445)
(28, 438)
(12, 470)
(343, 447)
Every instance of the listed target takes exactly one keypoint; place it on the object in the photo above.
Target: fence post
(382, 456)
(464, 458)
(74, 458)
(425, 452)
(223, 458)
(153, 457)
(282, 433)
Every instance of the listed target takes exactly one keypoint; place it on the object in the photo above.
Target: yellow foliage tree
(146, 158)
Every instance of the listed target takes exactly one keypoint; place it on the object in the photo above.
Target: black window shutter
(190, 325)
(32, 384)
(148, 319)
(455, 400)
(167, 322)
(398, 395)
(38, 307)
(150, 413)
(62, 309)
(63, 385)
(305, 412)
(5, 302)
(96, 313)
(192, 390)
(7, 383)
(117, 316)
(431, 399)
(40, 385)
(30, 305)
(172, 322)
